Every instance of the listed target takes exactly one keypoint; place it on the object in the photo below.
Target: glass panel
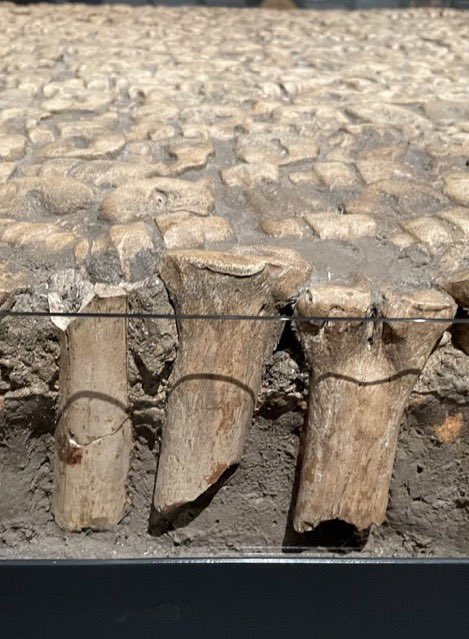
(234, 282)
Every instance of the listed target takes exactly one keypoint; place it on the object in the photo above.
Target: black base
(304, 598)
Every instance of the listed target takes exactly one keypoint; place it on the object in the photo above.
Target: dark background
(226, 599)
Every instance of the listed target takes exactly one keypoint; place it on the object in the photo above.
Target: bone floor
(236, 161)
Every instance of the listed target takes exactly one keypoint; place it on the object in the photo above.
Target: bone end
(213, 390)
(361, 377)
(93, 433)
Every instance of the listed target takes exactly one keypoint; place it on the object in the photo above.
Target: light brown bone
(22, 196)
(219, 365)
(93, 434)
(457, 285)
(452, 275)
(361, 375)
(152, 197)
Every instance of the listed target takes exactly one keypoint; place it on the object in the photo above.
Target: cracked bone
(12, 147)
(458, 217)
(284, 227)
(93, 433)
(6, 171)
(247, 175)
(457, 188)
(187, 156)
(337, 175)
(361, 376)
(151, 197)
(53, 197)
(332, 226)
(42, 237)
(431, 231)
(219, 365)
(195, 230)
(113, 173)
(107, 145)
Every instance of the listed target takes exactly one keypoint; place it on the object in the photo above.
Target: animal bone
(93, 434)
(219, 365)
(361, 377)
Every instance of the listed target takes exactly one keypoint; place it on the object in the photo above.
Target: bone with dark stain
(361, 376)
(219, 365)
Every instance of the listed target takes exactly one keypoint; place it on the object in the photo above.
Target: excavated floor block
(233, 162)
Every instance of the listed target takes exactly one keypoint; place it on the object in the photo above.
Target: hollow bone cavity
(457, 285)
(93, 434)
(219, 364)
(452, 271)
(361, 375)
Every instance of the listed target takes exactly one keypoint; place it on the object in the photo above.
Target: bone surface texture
(218, 370)
(93, 434)
(361, 378)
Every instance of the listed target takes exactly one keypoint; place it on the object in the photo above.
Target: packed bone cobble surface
(127, 132)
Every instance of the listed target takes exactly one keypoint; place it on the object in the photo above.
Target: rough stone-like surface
(127, 132)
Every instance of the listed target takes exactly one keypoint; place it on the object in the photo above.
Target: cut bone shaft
(361, 376)
(219, 365)
(457, 285)
(93, 434)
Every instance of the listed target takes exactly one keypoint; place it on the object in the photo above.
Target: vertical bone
(457, 285)
(219, 364)
(361, 375)
(93, 434)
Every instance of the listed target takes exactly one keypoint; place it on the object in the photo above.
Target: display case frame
(236, 597)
